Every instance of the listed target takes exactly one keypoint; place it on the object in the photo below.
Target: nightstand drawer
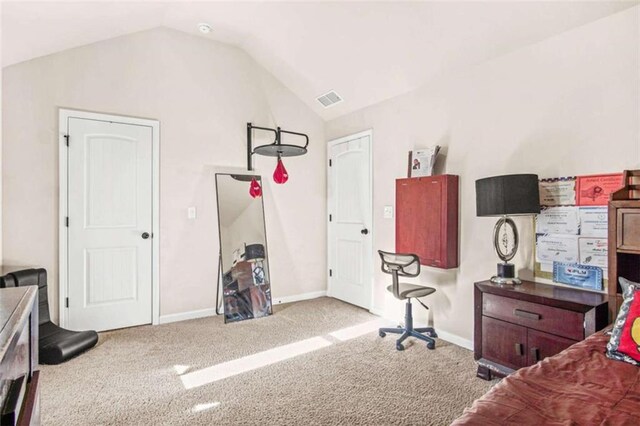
(516, 327)
(541, 345)
(532, 315)
(504, 343)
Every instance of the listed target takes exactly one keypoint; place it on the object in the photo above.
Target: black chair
(406, 265)
(56, 344)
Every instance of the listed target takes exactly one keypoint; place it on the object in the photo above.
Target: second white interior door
(350, 223)
(110, 210)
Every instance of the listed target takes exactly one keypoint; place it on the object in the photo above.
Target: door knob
(145, 235)
(365, 231)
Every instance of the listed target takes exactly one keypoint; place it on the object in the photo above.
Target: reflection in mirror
(243, 245)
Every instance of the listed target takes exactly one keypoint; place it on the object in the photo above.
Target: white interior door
(350, 219)
(110, 224)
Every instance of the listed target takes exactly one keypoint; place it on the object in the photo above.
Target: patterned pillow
(625, 284)
(624, 344)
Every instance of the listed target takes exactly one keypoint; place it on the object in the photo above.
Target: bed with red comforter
(579, 386)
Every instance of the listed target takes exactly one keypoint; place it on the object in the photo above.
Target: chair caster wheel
(382, 333)
(431, 345)
(399, 347)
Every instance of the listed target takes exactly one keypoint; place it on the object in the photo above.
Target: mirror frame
(220, 279)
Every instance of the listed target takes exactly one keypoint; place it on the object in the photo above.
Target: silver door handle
(145, 235)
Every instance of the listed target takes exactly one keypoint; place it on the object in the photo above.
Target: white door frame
(330, 145)
(63, 261)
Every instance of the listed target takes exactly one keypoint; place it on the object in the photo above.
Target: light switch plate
(191, 213)
(388, 212)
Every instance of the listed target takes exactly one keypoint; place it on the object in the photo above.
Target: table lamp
(504, 196)
(255, 254)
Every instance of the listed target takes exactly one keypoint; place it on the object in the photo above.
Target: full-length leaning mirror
(246, 288)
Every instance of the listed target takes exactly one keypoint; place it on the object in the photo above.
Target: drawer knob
(535, 354)
(519, 349)
(527, 315)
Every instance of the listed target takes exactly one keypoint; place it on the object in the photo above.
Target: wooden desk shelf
(624, 238)
(427, 219)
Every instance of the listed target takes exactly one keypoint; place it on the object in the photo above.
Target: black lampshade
(254, 252)
(507, 195)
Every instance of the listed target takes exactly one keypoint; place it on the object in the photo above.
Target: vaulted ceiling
(365, 51)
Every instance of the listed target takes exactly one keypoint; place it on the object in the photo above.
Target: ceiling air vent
(329, 99)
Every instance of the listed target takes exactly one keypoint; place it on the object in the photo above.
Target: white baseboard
(456, 340)
(299, 297)
(183, 316)
(209, 312)
(377, 311)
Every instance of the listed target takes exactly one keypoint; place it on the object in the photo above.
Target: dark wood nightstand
(521, 325)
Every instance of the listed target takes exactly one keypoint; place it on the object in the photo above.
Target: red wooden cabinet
(427, 219)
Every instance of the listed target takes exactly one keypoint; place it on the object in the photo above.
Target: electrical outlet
(388, 212)
(191, 213)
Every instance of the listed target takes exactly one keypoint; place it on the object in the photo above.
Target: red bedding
(579, 386)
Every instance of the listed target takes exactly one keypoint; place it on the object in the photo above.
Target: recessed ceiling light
(204, 28)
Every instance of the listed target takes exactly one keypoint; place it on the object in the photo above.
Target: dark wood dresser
(19, 392)
(521, 325)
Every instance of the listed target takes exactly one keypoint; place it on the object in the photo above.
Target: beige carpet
(132, 377)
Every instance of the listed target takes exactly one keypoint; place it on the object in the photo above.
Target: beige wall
(568, 105)
(203, 93)
(1, 112)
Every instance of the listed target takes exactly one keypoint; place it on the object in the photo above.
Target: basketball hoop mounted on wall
(275, 149)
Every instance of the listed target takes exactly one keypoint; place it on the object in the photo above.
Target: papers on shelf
(422, 161)
(557, 248)
(595, 190)
(593, 252)
(594, 222)
(546, 267)
(572, 228)
(585, 221)
(570, 249)
(583, 276)
(558, 192)
(558, 220)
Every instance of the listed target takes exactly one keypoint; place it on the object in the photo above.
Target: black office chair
(55, 344)
(406, 265)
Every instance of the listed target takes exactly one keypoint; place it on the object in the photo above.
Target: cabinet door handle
(535, 354)
(524, 314)
(519, 349)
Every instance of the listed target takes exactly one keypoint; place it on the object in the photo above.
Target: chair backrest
(7, 281)
(35, 277)
(399, 264)
(405, 264)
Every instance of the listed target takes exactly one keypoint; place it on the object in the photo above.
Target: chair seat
(58, 345)
(407, 291)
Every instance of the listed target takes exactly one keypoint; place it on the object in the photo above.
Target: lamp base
(505, 281)
(506, 275)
